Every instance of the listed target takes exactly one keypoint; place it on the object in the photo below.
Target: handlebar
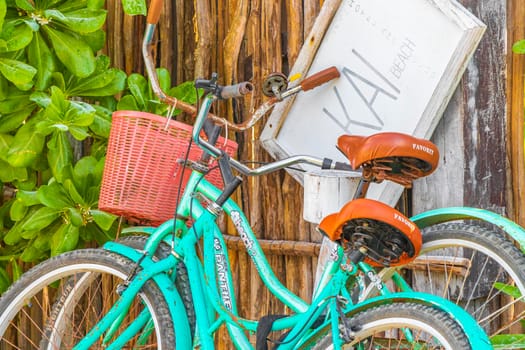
(225, 92)
(264, 169)
(154, 11)
(238, 90)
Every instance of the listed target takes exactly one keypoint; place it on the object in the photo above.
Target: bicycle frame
(211, 283)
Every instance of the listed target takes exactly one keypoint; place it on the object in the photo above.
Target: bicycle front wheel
(477, 268)
(55, 304)
(402, 326)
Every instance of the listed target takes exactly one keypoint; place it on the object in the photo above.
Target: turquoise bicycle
(175, 287)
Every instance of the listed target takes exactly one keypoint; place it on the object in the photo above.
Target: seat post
(362, 189)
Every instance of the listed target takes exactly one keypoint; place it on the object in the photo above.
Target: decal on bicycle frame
(237, 221)
(374, 278)
(334, 253)
(222, 265)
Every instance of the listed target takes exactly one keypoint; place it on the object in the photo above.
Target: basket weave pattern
(141, 174)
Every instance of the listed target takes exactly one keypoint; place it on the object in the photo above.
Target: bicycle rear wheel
(477, 268)
(401, 326)
(55, 304)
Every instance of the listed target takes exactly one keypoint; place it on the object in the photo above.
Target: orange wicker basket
(141, 175)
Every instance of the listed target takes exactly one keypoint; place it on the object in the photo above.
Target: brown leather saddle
(397, 157)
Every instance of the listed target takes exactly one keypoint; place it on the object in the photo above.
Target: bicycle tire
(30, 301)
(182, 280)
(432, 329)
(484, 256)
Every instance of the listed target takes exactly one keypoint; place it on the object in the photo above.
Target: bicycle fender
(181, 324)
(476, 335)
(437, 216)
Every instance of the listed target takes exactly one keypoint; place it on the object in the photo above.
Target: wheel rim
(494, 321)
(61, 327)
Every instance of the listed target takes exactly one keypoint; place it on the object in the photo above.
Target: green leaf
(12, 121)
(185, 92)
(16, 270)
(18, 210)
(96, 40)
(101, 125)
(73, 192)
(75, 216)
(25, 5)
(5, 144)
(40, 56)
(41, 99)
(26, 147)
(95, 4)
(74, 53)
(508, 289)
(69, 5)
(64, 239)
(108, 83)
(82, 20)
(14, 235)
(16, 100)
(54, 196)
(134, 7)
(103, 219)
(519, 47)
(11, 174)
(17, 72)
(28, 235)
(59, 105)
(27, 183)
(42, 241)
(3, 10)
(40, 219)
(5, 281)
(84, 176)
(83, 170)
(31, 254)
(4, 88)
(5, 222)
(80, 113)
(60, 154)
(164, 78)
(93, 231)
(138, 86)
(16, 35)
(79, 133)
(58, 80)
(28, 198)
(128, 103)
(508, 341)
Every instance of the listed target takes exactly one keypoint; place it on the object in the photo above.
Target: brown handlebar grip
(320, 78)
(154, 11)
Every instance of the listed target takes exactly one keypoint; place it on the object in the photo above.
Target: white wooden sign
(400, 62)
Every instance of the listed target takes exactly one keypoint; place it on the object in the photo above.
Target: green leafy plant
(56, 95)
(509, 341)
(139, 95)
(519, 47)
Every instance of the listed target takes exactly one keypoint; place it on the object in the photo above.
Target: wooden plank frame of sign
(398, 72)
(400, 62)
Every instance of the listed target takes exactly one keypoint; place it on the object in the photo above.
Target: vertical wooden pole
(251, 289)
(205, 33)
(486, 117)
(166, 37)
(515, 93)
